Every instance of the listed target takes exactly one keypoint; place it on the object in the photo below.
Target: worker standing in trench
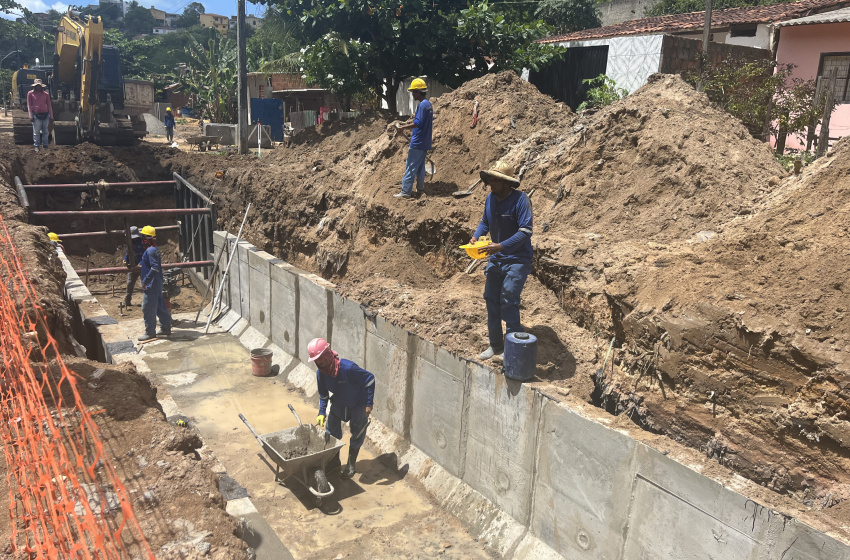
(153, 304)
(507, 217)
(420, 141)
(353, 391)
(132, 271)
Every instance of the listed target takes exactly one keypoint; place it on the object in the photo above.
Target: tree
(603, 93)
(566, 16)
(335, 65)
(392, 40)
(139, 20)
(191, 15)
(666, 7)
(212, 76)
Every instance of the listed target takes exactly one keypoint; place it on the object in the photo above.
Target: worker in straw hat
(353, 391)
(40, 108)
(168, 121)
(420, 141)
(507, 218)
(153, 304)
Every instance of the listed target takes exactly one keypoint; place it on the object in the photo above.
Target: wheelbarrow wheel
(322, 482)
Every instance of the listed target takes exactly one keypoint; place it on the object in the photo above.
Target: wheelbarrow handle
(291, 409)
(256, 435)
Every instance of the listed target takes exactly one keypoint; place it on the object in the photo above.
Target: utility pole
(242, 63)
(706, 39)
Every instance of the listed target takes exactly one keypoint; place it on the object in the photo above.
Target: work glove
(320, 420)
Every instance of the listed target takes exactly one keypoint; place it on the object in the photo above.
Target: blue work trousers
(356, 416)
(40, 131)
(415, 171)
(502, 292)
(153, 306)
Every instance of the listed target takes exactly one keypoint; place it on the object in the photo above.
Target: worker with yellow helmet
(153, 303)
(420, 141)
(54, 239)
(168, 121)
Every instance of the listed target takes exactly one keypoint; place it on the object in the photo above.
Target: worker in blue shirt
(507, 218)
(420, 140)
(153, 304)
(132, 271)
(168, 121)
(353, 391)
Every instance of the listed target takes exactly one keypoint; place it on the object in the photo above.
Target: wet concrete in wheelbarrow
(380, 513)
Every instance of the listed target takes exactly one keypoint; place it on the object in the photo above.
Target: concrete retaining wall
(529, 476)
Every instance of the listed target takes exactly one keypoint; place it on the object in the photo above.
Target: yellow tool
(474, 250)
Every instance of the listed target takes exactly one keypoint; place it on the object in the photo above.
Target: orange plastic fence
(65, 499)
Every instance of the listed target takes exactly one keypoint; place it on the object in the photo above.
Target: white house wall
(404, 101)
(631, 60)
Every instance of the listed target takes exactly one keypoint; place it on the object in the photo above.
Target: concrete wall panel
(284, 307)
(348, 329)
(585, 473)
(259, 265)
(502, 436)
(390, 363)
(243, 271)
(314, 300)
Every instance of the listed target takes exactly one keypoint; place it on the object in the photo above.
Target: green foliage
(139, 20)
(748, 90)
(7, 6)
(666, 7)
(111, 14)
(212, 77)
(604, 92)
(335, 65)
(191, 15)
(28, 39)
(566, 16)
(787, 160)
(276, 45)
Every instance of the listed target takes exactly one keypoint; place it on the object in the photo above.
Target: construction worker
(132, 271)
(353, 391)
(507, 218)
(420, 141)
(40, 108)
(153, 304)
(55, 241)
(168, 121)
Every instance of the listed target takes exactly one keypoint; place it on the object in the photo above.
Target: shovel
(467, 192)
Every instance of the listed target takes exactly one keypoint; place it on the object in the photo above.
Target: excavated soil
(659, 223)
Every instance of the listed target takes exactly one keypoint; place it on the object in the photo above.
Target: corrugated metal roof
(836, 16)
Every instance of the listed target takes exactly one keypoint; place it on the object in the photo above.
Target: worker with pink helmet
(351, 391)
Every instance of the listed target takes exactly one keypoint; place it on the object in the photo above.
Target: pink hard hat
(316, 348)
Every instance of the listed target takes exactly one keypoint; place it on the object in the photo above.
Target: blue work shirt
(424, 121)
(514, 227)
(169, 121)
(151, 269)
(353, 386)
(138, 251)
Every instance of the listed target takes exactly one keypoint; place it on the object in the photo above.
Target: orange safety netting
(65, 499)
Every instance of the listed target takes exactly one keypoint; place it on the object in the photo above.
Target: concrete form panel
(389, 363)
(503, 421)
(437, 416)
(284, 308)
(259, 264)
(243, 271)
(584, 479)
(313, 309)
(348, 329)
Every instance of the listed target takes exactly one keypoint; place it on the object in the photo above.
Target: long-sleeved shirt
(353, 386)
(39, 102)
(151, 268)
(138, 251)
(423, 122)
(513, 221)
(168, 121)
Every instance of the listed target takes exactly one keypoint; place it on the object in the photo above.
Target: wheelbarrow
(203, 143)
(303, 453)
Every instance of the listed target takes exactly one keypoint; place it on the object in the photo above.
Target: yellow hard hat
(148, 231)
(418, 83)
(168, 109)
(53, 237)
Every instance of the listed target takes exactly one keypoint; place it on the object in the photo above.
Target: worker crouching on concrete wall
(507, 217)
(353, 391)
(153, 304)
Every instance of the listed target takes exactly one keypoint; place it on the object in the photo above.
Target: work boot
(163, 333)
(127, 300)
(348, 469)
(491, 352)
(402, 195)
(36, 149)
(145, 337)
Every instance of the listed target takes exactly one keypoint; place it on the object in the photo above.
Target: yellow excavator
(88, 84)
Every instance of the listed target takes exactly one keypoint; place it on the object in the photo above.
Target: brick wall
(289, 81)
(681, 56)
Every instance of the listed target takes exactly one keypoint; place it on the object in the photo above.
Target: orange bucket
(261, 362)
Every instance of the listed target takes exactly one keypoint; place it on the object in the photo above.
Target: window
(840, 62)
(745, 30)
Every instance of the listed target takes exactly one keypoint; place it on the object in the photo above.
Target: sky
(222, 7)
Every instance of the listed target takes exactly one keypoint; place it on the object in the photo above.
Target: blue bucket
(520, 356)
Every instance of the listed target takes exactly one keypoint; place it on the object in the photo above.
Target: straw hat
(501, 170)
(37, 82)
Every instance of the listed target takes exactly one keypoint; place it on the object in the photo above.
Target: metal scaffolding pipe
(120, 269)
(122, 213)
(96, 184)
(81, 235)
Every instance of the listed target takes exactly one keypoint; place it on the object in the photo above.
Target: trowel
(467, 192)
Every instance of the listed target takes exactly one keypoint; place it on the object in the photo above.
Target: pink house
(817, 44)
